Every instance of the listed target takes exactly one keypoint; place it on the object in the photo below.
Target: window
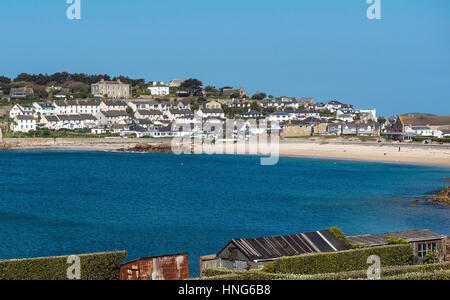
(424, 249)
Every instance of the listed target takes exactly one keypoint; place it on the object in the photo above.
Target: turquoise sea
(59, 203)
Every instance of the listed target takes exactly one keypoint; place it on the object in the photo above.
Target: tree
(259, 96)
(4, 79)
(254, 105)
(130, 111)
(192, 83)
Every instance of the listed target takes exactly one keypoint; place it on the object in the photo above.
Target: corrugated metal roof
(381, 238)
(260, 249)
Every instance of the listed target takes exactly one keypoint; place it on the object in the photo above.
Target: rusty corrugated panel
(169, 267)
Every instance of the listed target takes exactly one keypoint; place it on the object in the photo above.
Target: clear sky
(325, 49)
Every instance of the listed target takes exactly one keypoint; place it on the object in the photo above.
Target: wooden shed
(167, 267)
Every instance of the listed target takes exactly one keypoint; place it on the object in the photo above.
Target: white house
(159, 89)
(44, 109)
(152, 114)
(280, 116)
(113, 106)
(21, 110)
(73, 122)
(112, 117)
(50, 122)
(180, 115)
(23, 123)
(211, 113)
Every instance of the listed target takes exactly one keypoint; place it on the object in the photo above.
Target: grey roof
(212, 111)
(269, 248)
(114, 113)
(76, 117)
(150, 112)
(115, 103)
(381, 239)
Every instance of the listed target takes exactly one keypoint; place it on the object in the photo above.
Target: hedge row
(386, 273)
(342, 261)
(96, 266)
(436, 275)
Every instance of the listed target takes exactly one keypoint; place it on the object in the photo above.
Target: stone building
(111, 89)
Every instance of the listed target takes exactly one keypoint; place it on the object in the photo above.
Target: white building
(23, 123)
(44, 109)
(280, 116)
(159, 89)
(21, 110)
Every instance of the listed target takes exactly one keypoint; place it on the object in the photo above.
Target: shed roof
(269, 248)
(381, 239)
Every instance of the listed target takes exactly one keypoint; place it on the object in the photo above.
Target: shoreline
(411, 154)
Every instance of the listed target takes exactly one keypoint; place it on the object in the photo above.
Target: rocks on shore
(442, 196)
(6, 146)
(146, 148)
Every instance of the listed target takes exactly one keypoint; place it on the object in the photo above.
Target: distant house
(303, 114)
(111, 89)
(176, 82)
(423, 241)
(153, 115)
(335, 129)
(44, 109)
(348, 118)
(159, 89)
(73, 122)
(23, 123)
(252, 114)
(50, 121)
(280, 116)
(21, 110)
(180, 115)
(20, 93)
(66, 107)
(334, 106)
(349, 129)
(246, 254)
(112, 117)
(308, 101)
(433, 122)
(239, 93)
(90, 107)
(113, 106)
(181, 105)
(211, 113)
(296, 129)
(213, 105)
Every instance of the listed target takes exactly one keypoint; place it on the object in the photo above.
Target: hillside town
(181, 108)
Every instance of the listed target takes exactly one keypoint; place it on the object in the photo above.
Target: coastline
(414, 154)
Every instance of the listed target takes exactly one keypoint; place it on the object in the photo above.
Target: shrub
(387, 272)
(393, 241)
(343, 261)
(96, 266)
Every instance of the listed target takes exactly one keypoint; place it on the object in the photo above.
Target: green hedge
(436, 275)
(386, 273)
(342, 261)
(96, 266)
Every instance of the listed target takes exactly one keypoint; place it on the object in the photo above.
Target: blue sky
(325, 49)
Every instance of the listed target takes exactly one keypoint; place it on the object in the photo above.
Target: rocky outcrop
(6, 146)
(146, 148)
(442, 196)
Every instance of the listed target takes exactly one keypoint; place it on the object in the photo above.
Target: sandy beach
(369, 151)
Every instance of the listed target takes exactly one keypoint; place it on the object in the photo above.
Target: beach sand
(409, 153)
